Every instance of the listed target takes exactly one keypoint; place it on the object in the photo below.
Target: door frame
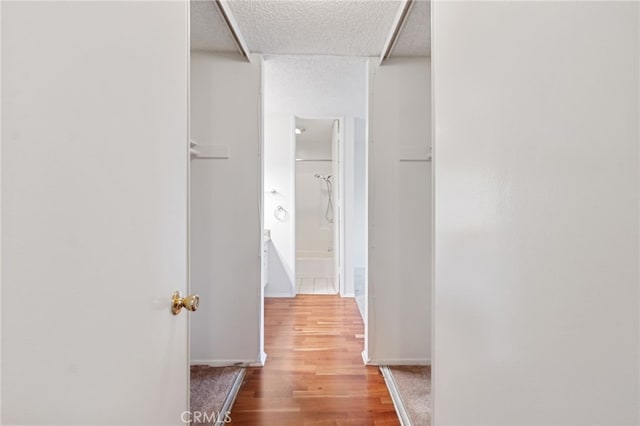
(188, 207)
(339, 204)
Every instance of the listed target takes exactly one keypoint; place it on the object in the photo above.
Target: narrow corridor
(314, 374)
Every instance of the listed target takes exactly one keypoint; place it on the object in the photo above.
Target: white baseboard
(279, 295)
(398, 361)
(365, 358)
(311, 275)
(263, 360)
(352, 295)
(227, 363)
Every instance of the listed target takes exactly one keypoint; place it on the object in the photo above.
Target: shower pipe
(328, 215)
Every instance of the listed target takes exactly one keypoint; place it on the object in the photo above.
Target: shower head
(324, 178)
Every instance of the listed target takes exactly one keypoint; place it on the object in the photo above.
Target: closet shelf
(220, 152)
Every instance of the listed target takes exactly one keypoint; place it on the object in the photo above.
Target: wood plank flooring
(314, 375)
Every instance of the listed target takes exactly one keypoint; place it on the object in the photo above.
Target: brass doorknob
(190, 303)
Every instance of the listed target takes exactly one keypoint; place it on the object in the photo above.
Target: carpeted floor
(210, 387)
(414, 386)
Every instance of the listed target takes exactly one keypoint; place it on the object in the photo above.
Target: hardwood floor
(314, 373)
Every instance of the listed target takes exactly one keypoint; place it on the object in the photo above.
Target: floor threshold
(231, 397)
(403, 416)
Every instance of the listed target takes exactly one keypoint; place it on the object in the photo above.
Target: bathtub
(315, 264)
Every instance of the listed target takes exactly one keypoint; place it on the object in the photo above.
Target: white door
(336, 155)
(94, 212)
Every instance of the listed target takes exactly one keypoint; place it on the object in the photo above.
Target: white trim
(263, 359)
(325, 276)
(231, 397)
(365, 357)
(267, 294)
(264, 248)
(403, 416)
(369, 328)
(234, 30)
(399, 361)
(342, 143)
(227, 362)
(293, 146)
(396, 28)
(188, 200)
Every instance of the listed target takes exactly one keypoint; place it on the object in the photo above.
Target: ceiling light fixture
(300, 130)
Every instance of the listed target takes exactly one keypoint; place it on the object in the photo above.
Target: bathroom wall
(225, 194)
(279, 190)
(313, 86)
(400, 236)
(314, 233)
(536, 203)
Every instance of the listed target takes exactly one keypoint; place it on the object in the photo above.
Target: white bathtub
(315, 264)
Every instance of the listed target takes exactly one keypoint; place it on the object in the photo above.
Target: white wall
(399, 283)
(308, 87)
(314, 234)
(359, 190)
(279, 188)
(536, 213)
(225, 217)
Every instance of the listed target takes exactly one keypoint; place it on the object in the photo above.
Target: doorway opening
(314, 111)
(317, 206)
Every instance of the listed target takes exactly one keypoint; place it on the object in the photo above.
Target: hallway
(314, 373)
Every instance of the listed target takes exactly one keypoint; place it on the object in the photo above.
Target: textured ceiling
(315, 27)
(312, 27)
(315, 86)
(415, 37)
(208, 30)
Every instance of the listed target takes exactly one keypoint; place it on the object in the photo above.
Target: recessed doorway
(317, 204)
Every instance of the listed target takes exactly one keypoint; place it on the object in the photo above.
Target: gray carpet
(210, 387)
(414, 386)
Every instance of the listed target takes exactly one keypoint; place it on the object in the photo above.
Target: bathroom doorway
(317, 205)
(317, 95)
